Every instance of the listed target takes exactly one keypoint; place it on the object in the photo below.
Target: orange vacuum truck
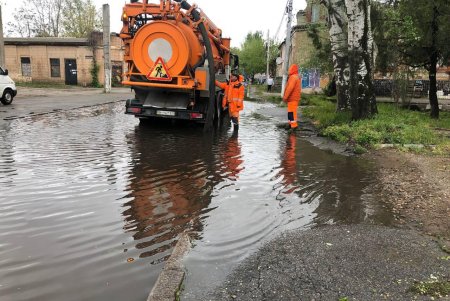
(174, 53)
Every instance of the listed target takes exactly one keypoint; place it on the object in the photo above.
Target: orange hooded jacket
(294, 86)
(234, 94)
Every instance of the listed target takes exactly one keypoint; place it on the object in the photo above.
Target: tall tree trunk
(360, 43)
(434, 104)
(337, 23)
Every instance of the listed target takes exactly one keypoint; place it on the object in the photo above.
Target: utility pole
(268, 56)
(106, 48)
(2, 41)
(287, 47)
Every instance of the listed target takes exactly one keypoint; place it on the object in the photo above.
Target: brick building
(302, 49)
(61, 60)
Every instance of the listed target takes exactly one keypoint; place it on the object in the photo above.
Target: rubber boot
(235, 123)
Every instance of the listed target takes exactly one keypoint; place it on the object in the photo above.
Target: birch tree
(338, 23)
(42, 18)
(80, 18)
(360, 50)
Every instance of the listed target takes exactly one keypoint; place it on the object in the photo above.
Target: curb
(169, 281)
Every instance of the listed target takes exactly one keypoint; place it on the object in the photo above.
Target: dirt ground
(417, 188)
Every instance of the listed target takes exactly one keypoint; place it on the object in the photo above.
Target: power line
(282, 20)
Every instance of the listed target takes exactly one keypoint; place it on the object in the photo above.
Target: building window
(55, 70)
(26, 66)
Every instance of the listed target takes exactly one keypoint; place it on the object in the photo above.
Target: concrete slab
(171, 277)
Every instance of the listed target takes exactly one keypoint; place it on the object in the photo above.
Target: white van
(8, 88)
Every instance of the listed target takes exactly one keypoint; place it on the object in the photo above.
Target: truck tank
(174, 53)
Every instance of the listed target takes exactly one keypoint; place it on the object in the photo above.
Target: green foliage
(359, 149)
(338, 132)
(432, 288)
(252, 56)
(392, 31)
(95, 68)
(322, 57)
(402, 32)
(323, 112)
(420, 16)
(392, 125)
(80, 18)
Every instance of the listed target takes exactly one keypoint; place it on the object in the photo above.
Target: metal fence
(383, 87)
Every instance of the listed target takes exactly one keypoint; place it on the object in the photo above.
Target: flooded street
(92, 203)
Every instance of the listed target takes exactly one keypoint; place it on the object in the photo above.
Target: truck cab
(8, 88)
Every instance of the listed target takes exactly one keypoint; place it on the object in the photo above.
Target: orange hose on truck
(174, 53)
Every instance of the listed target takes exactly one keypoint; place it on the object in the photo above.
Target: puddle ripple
(91, 203)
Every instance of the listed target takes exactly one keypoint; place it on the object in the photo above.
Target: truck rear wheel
(7, 97)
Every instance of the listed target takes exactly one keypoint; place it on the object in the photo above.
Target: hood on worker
(293, 69)
(241, 78)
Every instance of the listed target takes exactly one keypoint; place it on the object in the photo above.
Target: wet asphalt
(31, 102)
(335, 262)
(357, 262)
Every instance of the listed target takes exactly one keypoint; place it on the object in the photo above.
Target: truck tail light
(134, 110)
(196, 115)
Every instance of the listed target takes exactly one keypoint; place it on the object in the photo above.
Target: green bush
(392, 125)
(95, 68)
(359, 149)
(341, 133)
(366, 136)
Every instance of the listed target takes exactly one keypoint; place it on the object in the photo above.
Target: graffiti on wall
(310, 78)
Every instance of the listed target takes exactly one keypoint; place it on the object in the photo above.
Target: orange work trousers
(233, 110)
(292, 113)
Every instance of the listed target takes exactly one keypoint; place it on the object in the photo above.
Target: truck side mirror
(6, 72)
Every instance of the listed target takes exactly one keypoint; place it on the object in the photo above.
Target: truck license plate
(165, 113)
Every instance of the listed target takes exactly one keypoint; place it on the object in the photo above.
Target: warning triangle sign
(159, 71)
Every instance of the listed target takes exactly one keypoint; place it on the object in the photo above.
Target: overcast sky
(235, 17)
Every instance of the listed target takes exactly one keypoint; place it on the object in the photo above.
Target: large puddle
(91, 203)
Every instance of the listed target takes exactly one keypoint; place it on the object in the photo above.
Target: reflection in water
(171, 183)
(231, 158)
(289, 164)
(284, 183)
(86, 190)
(339, 187)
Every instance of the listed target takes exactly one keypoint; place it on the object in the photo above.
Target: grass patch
(392, 125)
(259, 92)
(432, 288)
(179, 292)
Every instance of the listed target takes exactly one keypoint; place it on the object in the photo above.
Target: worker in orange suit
(292, 95)
(234, 92)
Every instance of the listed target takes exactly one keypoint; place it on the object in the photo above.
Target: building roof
(48, 41)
